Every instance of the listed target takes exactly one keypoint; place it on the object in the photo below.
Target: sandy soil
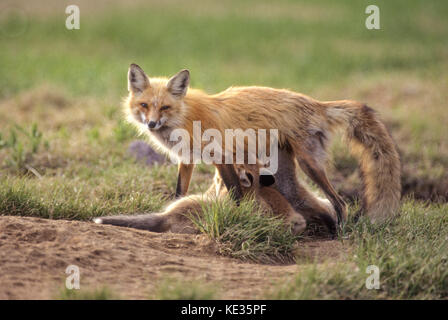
(34, 254)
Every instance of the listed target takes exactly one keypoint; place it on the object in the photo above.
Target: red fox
(159, 105)
(176, 217)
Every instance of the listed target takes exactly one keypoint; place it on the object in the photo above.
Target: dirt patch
(434, 190)
(34, 254)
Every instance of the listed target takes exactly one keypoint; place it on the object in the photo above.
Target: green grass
(170, 288)
(245, 231)
(97, 195)
(69, 160)
(410, 252)
(86, 294)
(299, 44)
(22, 152)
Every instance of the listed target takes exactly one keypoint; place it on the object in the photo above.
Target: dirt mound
(34, 254)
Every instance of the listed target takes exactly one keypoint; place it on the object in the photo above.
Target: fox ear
(178, 84)
(246, 180)
(267, 180)
(137, 79)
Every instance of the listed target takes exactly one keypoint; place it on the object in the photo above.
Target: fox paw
(298, 224)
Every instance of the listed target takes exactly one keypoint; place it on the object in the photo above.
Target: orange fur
(304, 125)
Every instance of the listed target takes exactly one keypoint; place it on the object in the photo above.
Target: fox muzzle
(152, 124)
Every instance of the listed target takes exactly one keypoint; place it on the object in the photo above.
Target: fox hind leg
(300, 198)
(316, 172)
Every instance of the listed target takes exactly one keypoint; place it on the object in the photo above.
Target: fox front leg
(231, 181)
(184, 173)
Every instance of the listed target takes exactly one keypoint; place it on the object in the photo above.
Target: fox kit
(176, 218)
(268, 197)
(158, 106)
(318, 213)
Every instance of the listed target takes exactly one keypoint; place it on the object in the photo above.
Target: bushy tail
(379, 160)
(152, 222)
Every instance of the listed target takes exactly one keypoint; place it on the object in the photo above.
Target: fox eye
(144, 105)
(164, 108)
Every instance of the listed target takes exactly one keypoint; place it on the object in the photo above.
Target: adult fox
(176, 217)
(159, 105)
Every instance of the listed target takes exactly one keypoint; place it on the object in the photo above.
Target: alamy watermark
(72, 280)
(373, 20)
(373, 280)
(73, 20)
(238, 147)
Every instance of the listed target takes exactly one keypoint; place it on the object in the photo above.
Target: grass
(69, 158)
(167, 288)
(103, 293)
(170, 288)
(21, 153)
(410, 252)
(246, 232)
(83, 200)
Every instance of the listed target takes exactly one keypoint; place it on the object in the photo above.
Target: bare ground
(34, 254)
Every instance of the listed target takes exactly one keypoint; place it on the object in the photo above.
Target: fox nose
(151, 124)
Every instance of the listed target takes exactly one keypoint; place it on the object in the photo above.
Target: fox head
(156, 103)
(250, 177)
